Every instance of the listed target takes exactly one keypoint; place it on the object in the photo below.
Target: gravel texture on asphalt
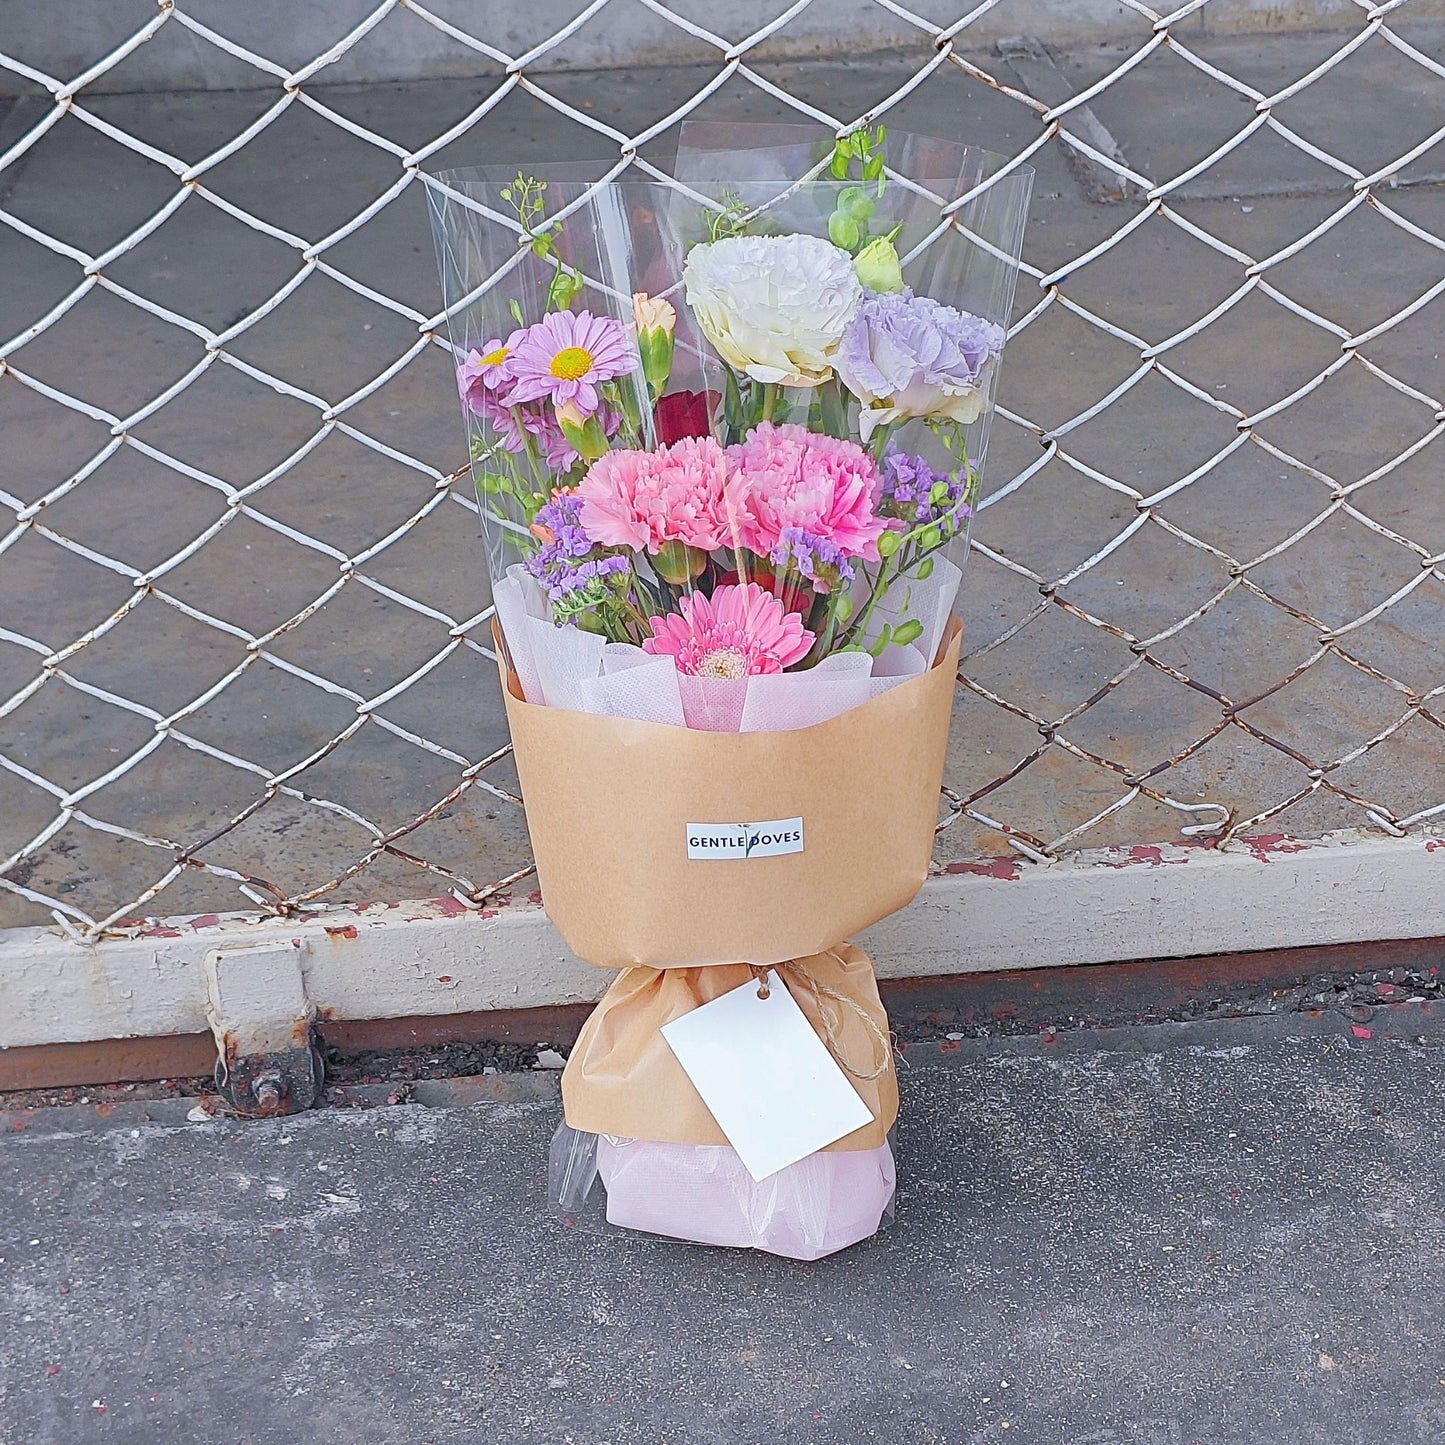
(1210, 1233)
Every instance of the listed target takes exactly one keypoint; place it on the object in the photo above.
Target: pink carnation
(737, 632)
(644, 500)
(788, 477)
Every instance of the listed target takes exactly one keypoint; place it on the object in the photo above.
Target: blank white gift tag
(769, 1080)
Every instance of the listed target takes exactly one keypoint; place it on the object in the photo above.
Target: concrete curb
(438, 957)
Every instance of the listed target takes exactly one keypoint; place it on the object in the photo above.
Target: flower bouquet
(727, 437)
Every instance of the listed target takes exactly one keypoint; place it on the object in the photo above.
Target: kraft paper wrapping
(623, 1079)
(609, 801)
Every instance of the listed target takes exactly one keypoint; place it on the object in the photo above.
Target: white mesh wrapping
(703, 1194)
(779, 701)
(566, 667)
(634, 684)
(552, 662)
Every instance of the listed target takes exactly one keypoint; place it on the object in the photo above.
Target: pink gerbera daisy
(738, 632)
(565, 355)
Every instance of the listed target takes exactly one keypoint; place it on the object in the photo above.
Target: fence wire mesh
(244, 654)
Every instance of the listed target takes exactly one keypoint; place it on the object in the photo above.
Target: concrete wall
(64, 37)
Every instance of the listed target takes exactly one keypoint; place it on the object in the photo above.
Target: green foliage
(730, 220)
(860, 154)
(527, 197)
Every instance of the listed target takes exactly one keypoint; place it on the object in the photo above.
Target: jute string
(821, 991)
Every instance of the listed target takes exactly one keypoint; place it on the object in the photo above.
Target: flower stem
(637, 615)
(876, 589)
(541, 478)
(733, 425)
(833, 410)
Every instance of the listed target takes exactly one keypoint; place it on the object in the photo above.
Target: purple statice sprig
(577, 575)
(920, 496)
(817, 560)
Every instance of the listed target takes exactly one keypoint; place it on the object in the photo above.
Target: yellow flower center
(731, 662)
(497, 357)
(572, 363)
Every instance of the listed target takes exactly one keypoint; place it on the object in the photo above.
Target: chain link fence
(244, 652)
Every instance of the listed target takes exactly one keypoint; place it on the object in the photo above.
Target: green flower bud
(907, 632)
(931, 538)
(656, 346)
(678, 564)
(878, 267)
(588, 439)
(888, 544)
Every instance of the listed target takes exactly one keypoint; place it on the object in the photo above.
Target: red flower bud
(684, 414)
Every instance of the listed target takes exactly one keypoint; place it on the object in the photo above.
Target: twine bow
(820, 991)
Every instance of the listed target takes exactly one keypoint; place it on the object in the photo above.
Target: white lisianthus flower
(775, 307)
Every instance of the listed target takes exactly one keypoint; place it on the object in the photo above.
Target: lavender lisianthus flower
(908, 356)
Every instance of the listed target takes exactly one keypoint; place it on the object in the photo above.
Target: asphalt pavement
(1218, 1233)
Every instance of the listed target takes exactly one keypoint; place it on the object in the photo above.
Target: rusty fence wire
(1187, 617)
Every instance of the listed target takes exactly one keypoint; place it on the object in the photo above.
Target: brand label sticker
(745, 840)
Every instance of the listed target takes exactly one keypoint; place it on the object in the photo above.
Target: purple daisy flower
(565, 355)
(485, 370)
